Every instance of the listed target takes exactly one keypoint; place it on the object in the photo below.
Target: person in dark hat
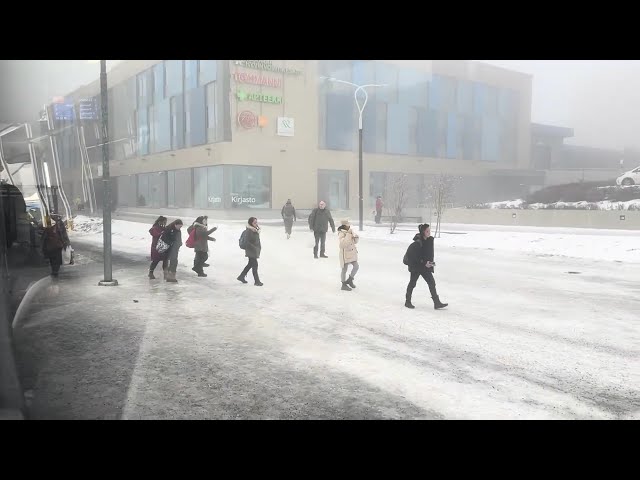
(419, 259)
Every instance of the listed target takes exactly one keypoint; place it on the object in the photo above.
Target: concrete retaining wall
(546, 218)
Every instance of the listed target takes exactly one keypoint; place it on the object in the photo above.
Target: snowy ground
(522, 338)
(602, 205)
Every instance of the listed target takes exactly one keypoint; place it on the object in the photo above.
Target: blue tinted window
(162, 125)
(173, 73)
(427, 130)
(398, 129)
(435, 93)
(190, 74)
(467, 138)
(143, 132)
(340, 126)
(490, 139)
(158, 82)
(506, 103)
(208, 71)
(387, 74)
(491, 101)
(465, 97)
(479, 94)
(452, 136)
(412, 87)
(364, 72)
(177, 123)
(197, 117)
(369, 122)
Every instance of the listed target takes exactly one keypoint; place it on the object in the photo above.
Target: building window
(174, 78)
(179, 188)
(340, 122)
(143, 132)
(158, 83)
(145, 88)
(250, 187)
(208, 71)
(211, 113)
(177, 123)
(398, 129)
(209, 187)
(190, 74)
(333, 188)
(195, 117)
(126, 193)
(152, 190)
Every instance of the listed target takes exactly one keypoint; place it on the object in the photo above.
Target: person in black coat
(252, 252)
(420, 262)
(173, 237)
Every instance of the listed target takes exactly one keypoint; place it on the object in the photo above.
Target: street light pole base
(105, 283)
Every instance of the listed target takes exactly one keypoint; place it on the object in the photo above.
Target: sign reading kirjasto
(267, 65)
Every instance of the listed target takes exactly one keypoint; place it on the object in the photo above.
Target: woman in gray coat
(252, 250)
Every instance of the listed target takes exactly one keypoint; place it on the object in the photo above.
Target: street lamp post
(106, 183)
(359, 88)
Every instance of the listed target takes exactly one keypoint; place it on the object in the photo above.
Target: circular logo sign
(247, 119)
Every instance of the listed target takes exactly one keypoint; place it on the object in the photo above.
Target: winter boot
(345, 287)
(350, 282)
(407, 302)
(206, 265)
(241, 279)
(258, 283)
(201, 274)
(322, 255)
(151, 275)
(437, 304)
(171, 277)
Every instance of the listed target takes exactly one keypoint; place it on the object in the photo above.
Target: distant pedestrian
(201, 241)
(289, 216)
(250, 242)
(348, 253)
(379, 206)
(173, 237)
(54, 240)
(156, 232)
(319, 221)
(419, 259)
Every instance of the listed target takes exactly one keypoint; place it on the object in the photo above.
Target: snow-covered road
(522, 337)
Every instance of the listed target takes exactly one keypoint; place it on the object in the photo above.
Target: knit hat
(345, 222)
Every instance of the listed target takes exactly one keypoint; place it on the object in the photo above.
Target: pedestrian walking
(199, 240)
(379, 206)
(289, 216)
(172, 237)
(319, 221)
(419, 259)
(54, 241)
(348, 254)
(156, 232)
(250, 243)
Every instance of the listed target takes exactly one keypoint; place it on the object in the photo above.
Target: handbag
(162, 246)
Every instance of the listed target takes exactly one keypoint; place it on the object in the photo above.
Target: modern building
(249, 134)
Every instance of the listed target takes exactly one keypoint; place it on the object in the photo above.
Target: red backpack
(191, 241)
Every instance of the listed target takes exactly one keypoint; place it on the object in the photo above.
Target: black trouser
(253, 266)
(173, 263)
(288, 223)
(199, 261)
(428, 277)
(55, 259)
(378, 215)
(154, 264)
(322, 238)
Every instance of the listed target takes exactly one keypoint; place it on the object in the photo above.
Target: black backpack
(243, 241)
(405, 259)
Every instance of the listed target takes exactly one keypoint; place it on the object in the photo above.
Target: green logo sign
(258, 97)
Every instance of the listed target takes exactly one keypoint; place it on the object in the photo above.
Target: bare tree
(396, 193)
(440, 196)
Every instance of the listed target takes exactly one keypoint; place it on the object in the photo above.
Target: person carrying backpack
(54, 240)
(250, 243)
(419, 259)
(172, 237)
(289, 216)
(199, 240)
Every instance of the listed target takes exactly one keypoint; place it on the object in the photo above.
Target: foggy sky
(598, 99)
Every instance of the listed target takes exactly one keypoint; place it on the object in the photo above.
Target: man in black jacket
(319, 221)
(420, 261)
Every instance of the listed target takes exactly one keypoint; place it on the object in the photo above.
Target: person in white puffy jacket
(348, 254)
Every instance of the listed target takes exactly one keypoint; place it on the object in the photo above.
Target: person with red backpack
(199, 240)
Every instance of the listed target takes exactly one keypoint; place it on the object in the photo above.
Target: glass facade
(333, 188)
(212, 187)
(418, 113)
(380, 184)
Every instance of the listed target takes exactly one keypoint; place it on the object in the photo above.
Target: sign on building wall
(248, 120)
(268, 66)
(63, 111)
(285, 126)
(88, 109)
(258, 97)
(257, 79)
